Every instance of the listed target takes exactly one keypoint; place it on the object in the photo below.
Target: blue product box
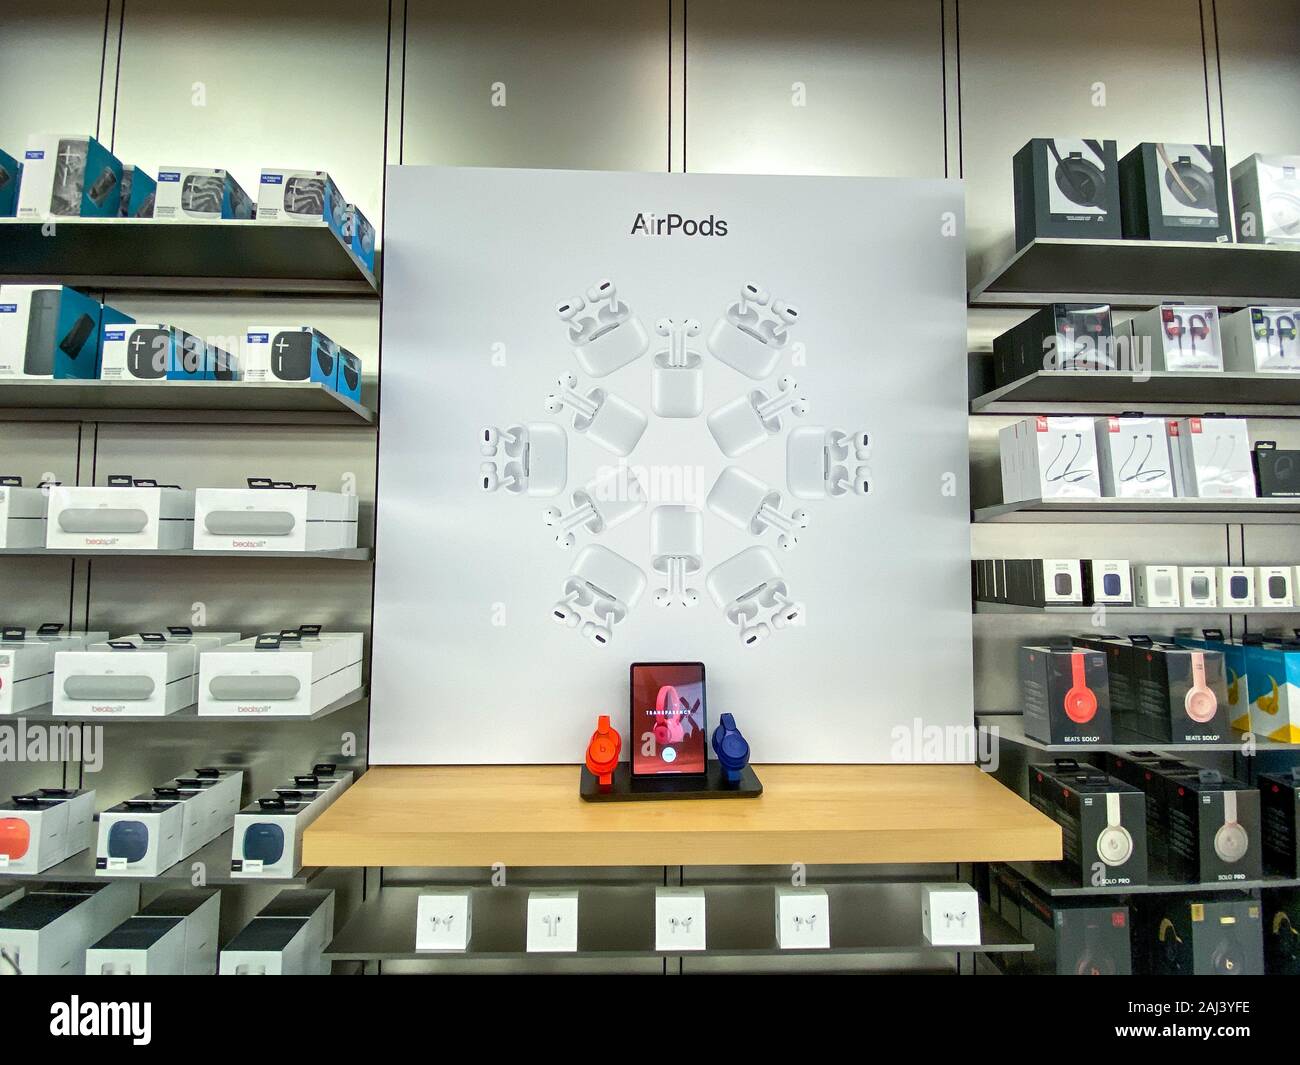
(304, 197)
(195, 359)
(11, 175)
(1273, 674)
(76, 336)
(69, 176)
(138, 193)
(347, 372)
(1235, 672)
(361, 235)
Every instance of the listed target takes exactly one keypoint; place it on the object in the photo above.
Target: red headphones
(1080, 701)
(603, 751)
(668, 719)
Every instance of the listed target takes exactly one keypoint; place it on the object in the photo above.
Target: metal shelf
(1102, 392)
(215, 858)
(1142, 511)
(616, 922)
(144, 255)
(208, 402)
(981, 607)
(1053, 880)
(189, 715)
(347, 554)
(1141, 273)
(1011, 728)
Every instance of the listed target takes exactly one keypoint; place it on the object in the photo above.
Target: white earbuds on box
(677, 380)
(751, 336)
(750, 590)
(676, 550)
(748, 420)
(604, 332)
(605, 502)
(536, 459)
(741, 498)
(600, 591)
(604, 418)
(825, 463)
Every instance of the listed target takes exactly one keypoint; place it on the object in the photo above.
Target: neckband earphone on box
(1069, 474)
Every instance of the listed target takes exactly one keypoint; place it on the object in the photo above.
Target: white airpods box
(1133, 457)
(443, 921)
(119, 518)
(290, 674)
(1273, 586)
(1177, 337)
(1212, 458)
(273, 519)
(26, 675)
(1058, 459)
(1262, 340)
(1199, 586)
(950, 915)
(134, 676)
(679, 918)
(1236, 585)
(803, 919)
(22, 514)
(1155, 586)
(552, 922)
(139, 837)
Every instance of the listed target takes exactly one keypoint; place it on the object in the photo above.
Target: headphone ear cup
(1082, 181)
(1195, 181)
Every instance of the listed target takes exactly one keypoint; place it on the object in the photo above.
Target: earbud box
(280, 675)
(1066, 187)
(199, 910)
(22, 514)
(1219, 935)
(26, 674)
(47, 933)
(268, 835)
(950, 915)
(444, 920)
(139, 191)
(144, 676)
(1273, 586)
(1262, 340)
(42, 828)
(1266, 191)
(199, 194)
(274, 519)
(552, 922)
(1182, 692)
(1177, 337)
(1060, 336)
(140, 946)
(1102, 819)
(120, 517)
(50, 332)
(1235, 585)
(288, 353)
(803, 918)
(301, 197)
(1175, 192)
(1107, 582)
(287, 938)
(1133, 455)
(1156, 586)
(1277, 472)
(1198, 586)
(680, 914)
(1073, 937)
(139, 837)
(1058, 459)
(1213, 828)
(1064, 694)
(1211, 458)
(68, 175)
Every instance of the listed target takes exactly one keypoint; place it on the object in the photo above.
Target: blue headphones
(731, 748)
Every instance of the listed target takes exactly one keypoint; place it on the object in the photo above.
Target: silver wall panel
(1026, 71)
(1260, 75)
(585, 84)
(51, 55)
(836, 87)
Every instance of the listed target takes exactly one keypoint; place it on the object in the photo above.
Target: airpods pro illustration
(606, 501)
(604, 418)
(604, 332)
(823, 463)
(600, 591)
(751, 591)
(536, 458)
(748, 420)
(677, 380)
(677, 550)
(742, 499)
(751, 335)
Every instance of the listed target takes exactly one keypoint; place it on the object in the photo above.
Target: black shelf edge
(1054, 881)
(1140, 511)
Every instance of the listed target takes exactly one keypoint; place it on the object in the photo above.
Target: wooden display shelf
(531, 815)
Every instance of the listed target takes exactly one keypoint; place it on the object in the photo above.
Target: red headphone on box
(668, 719)
(1080, 702)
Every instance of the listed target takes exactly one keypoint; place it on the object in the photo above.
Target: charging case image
(676, 550)
(15, 837)
(749, 420)
(1111, 585)
(254, 687)
(249, 523)
(129, 840)
(1238, 588)
(103, 520)
(536, 456)
(264, 843)
(109, 687)
(742, 347)
(821, 463)
(612, 346)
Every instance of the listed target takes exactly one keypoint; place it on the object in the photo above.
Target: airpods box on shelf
(1273, 586)
(803, 918)
(1107, 581)
(140, 946)
(302, 197)
(1235, 586)
(120, 517)
(274, 519)
(1262, 339)
(1273, 681)
(11, 176)
(1064, 695)
(1156, 586)
(51, 332)
(680, 914)
(199, 194)
(1182, 692)
(40, 829)
(1175, 192)
(1103, 822)
(1266, 191)
(289, 674)
(140, 837)
(552, 922)
(289, 353)
(444, 920)
(26, 674)
(139, 191)
(68, 175)
(1066, 188)
(22, 514)
(1133, 456)
(361, 237)
(1176, 337)
(1234, 670)
(287, 938)
(950, 915)
(136, 676)
(1060, 336)
(199, 910)
(1277, 472)
(137, 351)
(1057, 459)
(1279, 797)
(1211, 458)
(1213, 828)
(47, 932)
(1198, 585)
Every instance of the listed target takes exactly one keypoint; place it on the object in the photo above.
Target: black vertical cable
(943, 84)
(670, 86)
(117, 76)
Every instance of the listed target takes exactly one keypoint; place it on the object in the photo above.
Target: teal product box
(138, 193)
(348, 375)
(49, 331)
(72, 176)
(1273, 677)
(360, 235)
(1234, 672)
(194, 359)
(11, 176)
(289, 353)
(199, 194)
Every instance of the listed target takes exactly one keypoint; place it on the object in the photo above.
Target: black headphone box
(1181, 936)
(1060, 336)
(1279, 802)
(1057, 709)
(1175, 192)
(1120, 673)
(1066, 188)
(1174, 704)
(1074, 938)
(1102, 819)
(1281, 931)
(1212, 828)
(1277, 471)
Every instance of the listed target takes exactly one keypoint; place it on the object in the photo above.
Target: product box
(444, 920)
(552, 922)
(1234, 669)
(11, 175)
(1266, 191)
(803, 918)
(1102, 819)
(266, 518)
(1198, 586)
(1121, 677)
(1156, 586)
(139, 191)
(288, 937)
(289, 353)
(140, 676)
(1273, 684)
(1235, 585)
(1042, 581)
(1182, 692)
(212, 798)
(347, 381)
(1262, 339)
(1277, 472)
(1064, 695)
(290, 674)
(361, 237)
(49, 331)
(268, 836)
(1066, 188)
(1060, 336)
(1213, 826)
(195, 359)
(139, 837)
(1107, 582)
(199, 194)
(40, 829)
(680, 914)
(120, 517)
(1150, 772)
(1279, 802)
(1211, 458)
(1074, 938)
(1176, 337)
(68, 176)
(950, 915)
(48, 932)
(22, 514)
(26, 673)
(137, 351)
(199, 910)
(1057, 460)
(140, 946)
(302, 197)
(1175, 192)
(1273, 586)
(1133, 458)
(1281, 931)
(1215, 936)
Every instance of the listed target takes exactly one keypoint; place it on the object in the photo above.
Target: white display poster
(671, 417)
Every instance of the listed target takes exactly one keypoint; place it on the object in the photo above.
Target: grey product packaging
(1064, 695)
(1060, 336)
(1213, 825)
(1102, 819)
(1182, 693)
(1066, 187)
(1175, 192)
(1120, 677)
(1073, 937)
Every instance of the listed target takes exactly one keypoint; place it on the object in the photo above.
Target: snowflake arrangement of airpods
(530, 459)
